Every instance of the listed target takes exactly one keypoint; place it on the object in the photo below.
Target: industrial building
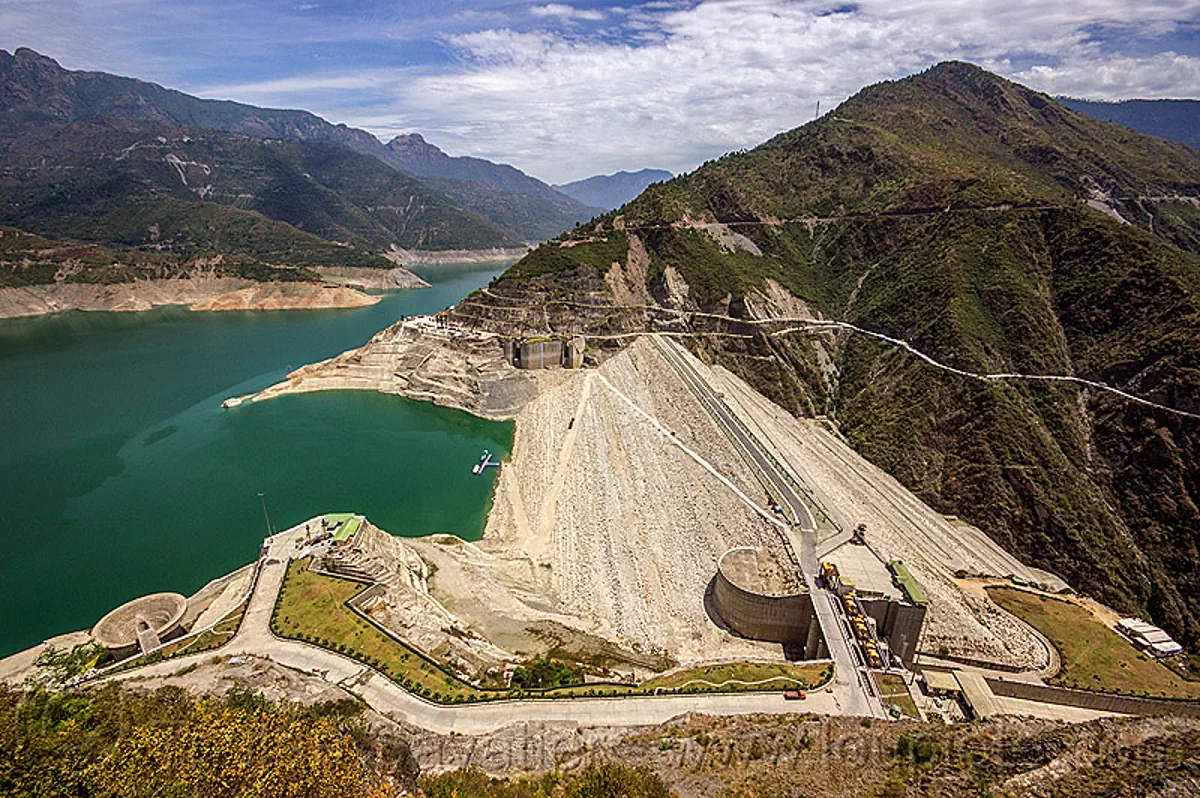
(760, 598)
(886, 593)
(1151, 639)
(545, 352)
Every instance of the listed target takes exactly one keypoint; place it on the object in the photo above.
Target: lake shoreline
(146, 463)
(196, 293)
(421, 257)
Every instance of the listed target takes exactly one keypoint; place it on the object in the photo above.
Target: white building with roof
(1148, 637)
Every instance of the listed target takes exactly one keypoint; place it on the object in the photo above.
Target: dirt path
(537, 544)
(808, 324)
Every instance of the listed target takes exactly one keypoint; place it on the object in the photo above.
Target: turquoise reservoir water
(121, 475)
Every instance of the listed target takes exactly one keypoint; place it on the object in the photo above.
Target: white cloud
(702, 79)
(563, 10)
(668, 83)
(1165, 75)
(266, 91)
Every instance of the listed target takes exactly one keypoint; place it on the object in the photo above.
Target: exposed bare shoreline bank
(441, 257)
(288, 296)
(366, 279)
(207, 293)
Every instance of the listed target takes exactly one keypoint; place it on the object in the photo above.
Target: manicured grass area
(893, 690)
(783, 675)
(347, 528)
(1094, 657)
(312, 607)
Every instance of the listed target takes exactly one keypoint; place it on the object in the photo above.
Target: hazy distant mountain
(613, 191)
(500, 192)
(976, 219)
(527, 208)
(1169, 119)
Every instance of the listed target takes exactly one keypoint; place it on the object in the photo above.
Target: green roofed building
(908, 583)
(345, 525)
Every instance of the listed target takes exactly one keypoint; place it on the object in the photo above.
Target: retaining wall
(789, 620)
(900, 624)
(1129, 705)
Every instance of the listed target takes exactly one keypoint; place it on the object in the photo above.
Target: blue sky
(566, 90)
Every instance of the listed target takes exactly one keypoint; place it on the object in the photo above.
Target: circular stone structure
(761, 598)
(157, 614)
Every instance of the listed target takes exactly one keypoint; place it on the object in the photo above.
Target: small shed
(941, 683)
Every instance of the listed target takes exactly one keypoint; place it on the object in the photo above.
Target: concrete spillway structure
(759, 597)
(141, 624)
(546, 352)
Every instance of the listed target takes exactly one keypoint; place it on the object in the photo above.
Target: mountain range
(502, 193)
(613, 191)
(122, 161)
(1178, 120)
(992, 228)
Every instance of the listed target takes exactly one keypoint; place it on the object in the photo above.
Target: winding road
(806, 324)
(255, 638)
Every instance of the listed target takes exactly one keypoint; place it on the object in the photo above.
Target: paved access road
(254, 638)
(850, 679)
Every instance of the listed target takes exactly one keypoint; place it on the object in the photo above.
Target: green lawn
(348, 528)
(312, 607)
(785, 675)
(1094, 657)
(893, 690)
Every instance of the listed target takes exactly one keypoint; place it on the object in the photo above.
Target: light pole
(263, 499)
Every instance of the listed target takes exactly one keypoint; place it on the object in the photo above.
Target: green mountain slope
(27, 259)
(148, 183)
(526, 207)
(976, 219)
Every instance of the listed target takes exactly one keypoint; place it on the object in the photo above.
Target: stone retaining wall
(1129, 705)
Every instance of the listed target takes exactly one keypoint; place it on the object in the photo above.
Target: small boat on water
(484, 462)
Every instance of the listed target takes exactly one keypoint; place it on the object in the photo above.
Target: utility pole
(818, 116)
(263, 499)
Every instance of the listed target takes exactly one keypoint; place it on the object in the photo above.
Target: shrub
(617, 780)
(919, 751)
